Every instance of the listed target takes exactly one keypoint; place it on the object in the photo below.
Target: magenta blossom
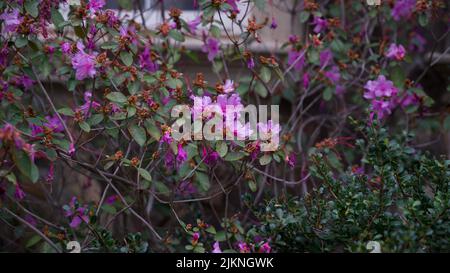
(181, 155)
(216, 248)
(274, 23)
(19, 194)
(193, 24)
(146, 62)
(76, 213)
(396, 52)
(243, 247)
(380, 88)
(265, 248)
(11, 20)
(228, 87)
(83, 63)
(296, 59)
(95, 5)
(211, 47)
(320, 24)
(403, 9)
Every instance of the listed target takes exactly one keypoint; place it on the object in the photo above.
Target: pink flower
(333, 75)
(297, 59)
(19, 194)
(250, 63)
(326, 57)
(380, 88)
(66, 47)
(403, 9)
(71, 149)
(95, 5)
(11, 20)
(76, 213)
(193, 24)
(181, 155)
(210, 156)
(233, 4)
(146, 62)
(195, 238)
(216, 248)
(274, 23)
(243, 247)
(319, 24)
(265, 248)
(305, 80)
(83, 63)
(396, 52)
(228, 87)
(89, 103)
(211, 47)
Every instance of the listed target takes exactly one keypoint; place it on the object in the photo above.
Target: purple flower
(146, 62)
(195, 238)
(228, 87)
(211, 47)
(319, 24)
(76, 213)
(250, 63)
(66, 47)
(326, 57)
(54, 124)
(265, 248)
(11, 19)
(181, 155)
(210, 156)
(19, 194)
(396, 52)
(380, 88)
(305, 80)
(71, 149)
(95, 5)
(193, 24)
(89, 103)
(274, 23)
(83, 63)
(297, 59)
(403, 9)
(333, 74)
(216, 248)
(383, 94)
(243, 247)
(233, 4)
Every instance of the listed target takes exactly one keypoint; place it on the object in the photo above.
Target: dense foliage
(86, 138)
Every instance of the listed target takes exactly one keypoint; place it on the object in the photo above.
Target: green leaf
(116, 97)
(265, 159)
(138, 134)
(127, 58)
(222, 148)
(66, 112)
(95, 119)
(327, 94)
(85, 126)
(21, 42)
(234, 156)
(26, 166)
(261, 90)
(203, 181)
(57, 18)
(176, 35)
(145, 174)
(33, 241)
(447, 123)
(304, 16)
(32, 8)
(265, 74)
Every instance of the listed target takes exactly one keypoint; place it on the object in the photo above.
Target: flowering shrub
(89, 148)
